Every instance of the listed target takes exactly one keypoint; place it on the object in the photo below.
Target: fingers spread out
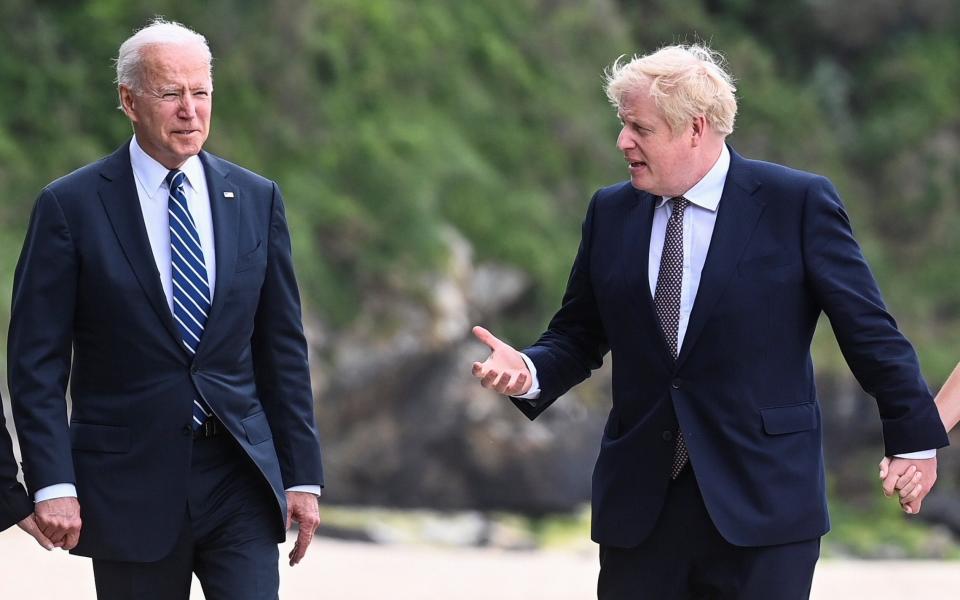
(516, 385)
(486, 337)
(488, 378)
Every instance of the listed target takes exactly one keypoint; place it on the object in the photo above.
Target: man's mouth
(636, 164)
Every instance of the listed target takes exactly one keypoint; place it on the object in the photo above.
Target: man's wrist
(534, 392)
(58, 490)
(919, 455)
(316, 490)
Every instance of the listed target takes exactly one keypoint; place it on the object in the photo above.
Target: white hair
(158, 32)
(684, 81)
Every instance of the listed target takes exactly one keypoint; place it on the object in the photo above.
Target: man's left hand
(29, 524)
(304, 508)
(911, 479)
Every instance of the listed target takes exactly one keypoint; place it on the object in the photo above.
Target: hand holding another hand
(59, 520)
(29, 524)
(910, 479)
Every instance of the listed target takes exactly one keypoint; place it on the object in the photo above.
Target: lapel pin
(228, 194)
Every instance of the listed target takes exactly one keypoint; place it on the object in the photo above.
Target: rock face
(405, 424)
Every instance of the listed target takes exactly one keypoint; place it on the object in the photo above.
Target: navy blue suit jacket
(14, 503)
(742, 388)
(87, 289)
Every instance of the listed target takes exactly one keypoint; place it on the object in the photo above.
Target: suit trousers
(686, 558)
(229, 537)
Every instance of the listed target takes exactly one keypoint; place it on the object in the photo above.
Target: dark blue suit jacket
(14, 503)
(742, 387)
(87, 289)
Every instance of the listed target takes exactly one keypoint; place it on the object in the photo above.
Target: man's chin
(640, 183)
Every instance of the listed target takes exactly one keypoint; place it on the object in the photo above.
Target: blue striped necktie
(191, 288)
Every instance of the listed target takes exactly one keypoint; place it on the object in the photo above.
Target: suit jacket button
(675, 384)
(667, 436)
(187, 430)
(194, 369)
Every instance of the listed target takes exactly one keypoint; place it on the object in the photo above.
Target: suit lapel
(636, 251)
(223, 209)
(118, 194)
(739, 212)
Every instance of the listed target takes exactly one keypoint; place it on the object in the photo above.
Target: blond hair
(684, 81)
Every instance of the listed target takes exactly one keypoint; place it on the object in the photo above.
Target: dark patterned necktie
(188, 270)
(666, 301)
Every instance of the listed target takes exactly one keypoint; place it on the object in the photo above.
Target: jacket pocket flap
(789, 419)
(252, 258)
(99, 438)
(257, 428)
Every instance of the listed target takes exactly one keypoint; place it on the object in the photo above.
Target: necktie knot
(174, 179)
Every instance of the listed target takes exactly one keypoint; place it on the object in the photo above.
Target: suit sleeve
(280, 361)
(39, 345)
(883, 361)
(15, 505)
(575, 341)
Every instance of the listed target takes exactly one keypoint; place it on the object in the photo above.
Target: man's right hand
(59, 521)
(504, 370)
(29, 524)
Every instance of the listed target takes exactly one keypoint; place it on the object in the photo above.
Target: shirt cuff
(919, 455)
(534, 392)
(316, 490)
(58, 490)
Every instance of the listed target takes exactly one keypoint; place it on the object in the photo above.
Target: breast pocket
(252, 259)
(780, 267)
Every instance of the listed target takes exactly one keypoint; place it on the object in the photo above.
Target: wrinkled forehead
(176, 65)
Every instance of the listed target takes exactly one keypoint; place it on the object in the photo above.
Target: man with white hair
(704, 276)
(158, 281)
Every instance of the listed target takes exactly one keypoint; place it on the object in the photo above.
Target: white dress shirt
(699, 219)
(152, 191)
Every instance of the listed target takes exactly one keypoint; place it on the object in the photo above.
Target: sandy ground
(355, 571)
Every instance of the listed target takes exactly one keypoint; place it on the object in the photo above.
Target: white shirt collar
(151, 174)
(706, 193)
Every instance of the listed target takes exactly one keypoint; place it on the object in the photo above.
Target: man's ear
(127, 102)
(698, 129)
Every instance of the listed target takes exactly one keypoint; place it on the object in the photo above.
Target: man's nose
(188, 107)
(625, 140)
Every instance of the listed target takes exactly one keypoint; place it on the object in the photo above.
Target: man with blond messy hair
(159, 282)
(704, 275)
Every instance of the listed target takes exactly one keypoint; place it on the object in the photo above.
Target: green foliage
(882, 530)
(386, 121)
(382, 121)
